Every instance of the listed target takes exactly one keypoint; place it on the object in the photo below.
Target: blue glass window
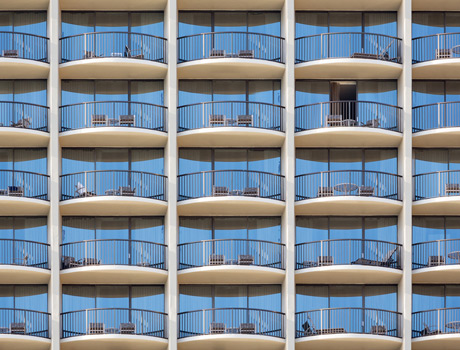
(27, 297)
(31, 159)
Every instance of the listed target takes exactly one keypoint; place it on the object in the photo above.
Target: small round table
(454, 255)
(453, 325)
(345, 187)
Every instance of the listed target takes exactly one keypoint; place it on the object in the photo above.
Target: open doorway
(343, 98)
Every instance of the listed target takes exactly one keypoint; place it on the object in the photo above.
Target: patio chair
(366, 191)
(99, 119)
(91, 261)
(325, 191)
(251, 191)
(81, 191)
(387, 260)
(18, 328)
(127, 191)
(21, 123)
(216, 259)
(308, 263)
(220, 191)
(379, 330)
(129, 54)
(334, 120)
(4, 330)
(216, 119)
(246, 53)
(428, 331)
(217, 328)
(452, 189)
(436, 260)
(3, 192)
(69, 261)
(127, 120)
(127, 328)
(308, 329)
(325, 260)
(89, 54)
(373, 123)
(247, 328)
(443, 53)
(10, 53)
(15, 191)
(245, 260)
(22, 261)
(217, 53)
(96, 328)
(244, 119)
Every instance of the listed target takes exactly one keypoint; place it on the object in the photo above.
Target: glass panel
(194, 229)
(452, 22)
(266, 297)
(427, 297)
(310, 229)
(74, 23)
(346, 228)
(31, 159)
(310, 23)
(381, 229)
(264, 23)
(378, 91)
(77, 91)
(381, 23)
(6, 227)
(77, 160)
(345, 296)
(7, 297)
(346, 159)
(31, 298)
(6, 159)
(76, 229)
(148, 298)
(381, 297)
(6, 21)
(427, 23)
(345, 22)
(194, 91)
(230, 296)
(78, 298)
(311, 161)
(382, 160)
(147, 160)
(267, 160)
(426, 92)
(6, 88)
(195, 297)
(30, 23)
(33, 229)
(230, 159)
(112, 228)
(452, 296)
(112, 159)
(311, 298)
(111, 90)
(230, 22)
(147, 23)
(310, 92)
(453, 229)
(266, 91)
(427, 228)
(265, 229)
(112, 296)
(148, 92)
(229, 90)
(111, 22)
(148, 229)
(430, 160)
(191, 23)
(452, 91)
(30, 91)
(193, 160)
(230, 228)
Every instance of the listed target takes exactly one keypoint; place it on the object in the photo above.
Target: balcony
(348, 124)
(348, 261)
(23, 56)
(436, 329)
(231, 192)
(23, 193)
(23, 125)
(24, 262)
(113, 261)
(113, 124)
(348, 328)
(348, 56)
(230, 328)
(437, 193)
(348, 193)
(231, 261)
(103, 329)
(24, 329)
(113, 192)
(436, 261)
(114, 55)
(436, 56)
(231, 124)
(436, 125)
(230, 55)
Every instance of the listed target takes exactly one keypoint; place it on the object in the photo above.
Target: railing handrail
(349, 239)
(231, 308)
(27, 34)
(114, 309)
(230, 32)
(23, 240)
(113, 171)
(349, 308)
(114, 32)
(436, 240)
(25, 310)
(113, 240)
(230, 240)
(25, 103)
(24, 172)
(439, 309)
(349, 171)
(433, 35)
(247, 102)
(436, 104)
(350, 101)
(95, 102)
(340, 33)
(437, 172)
(228, 171)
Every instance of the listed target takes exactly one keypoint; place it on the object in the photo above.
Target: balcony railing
(23, 115)
(113, 44)
(113, 252)
(23, 253)
(361, 183)
(348, 320)
(436, 116)
(348, 114)
(348, 252)
(437, 321)
(435, 47)
(235, 113)
(114, 321)
(238, 252)
(26, 46)
(114, 114)
(113, 183)
(436, 253)
(24, 322)
(231, 321)
(221, 183)
(348, 45)
(15, 183)
(437, 184)
(231, 45)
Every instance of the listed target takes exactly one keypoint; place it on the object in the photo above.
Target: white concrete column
(54, 227)
(405, 169)
(171, 220)
(288, 158)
